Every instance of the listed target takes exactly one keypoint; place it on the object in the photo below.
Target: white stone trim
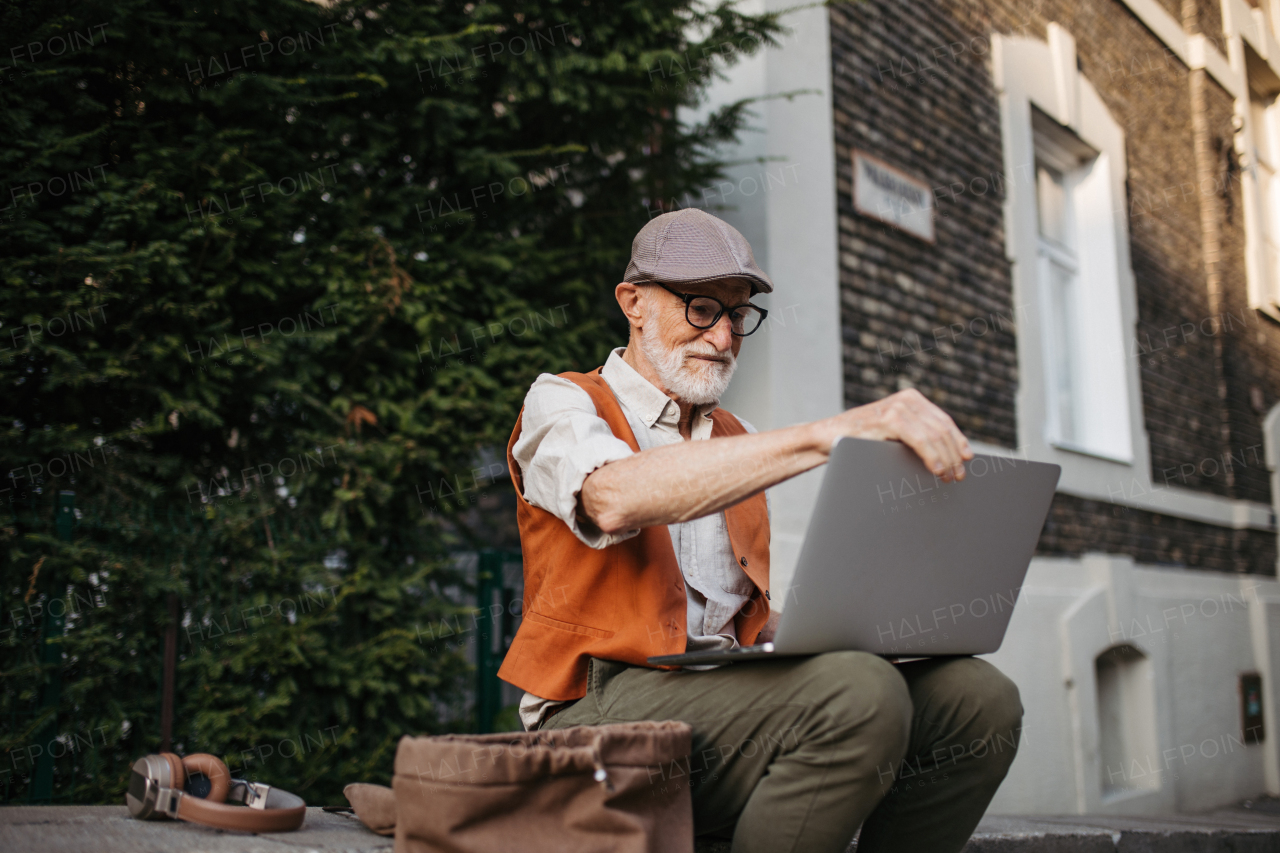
(1194, 50)
(1199, 630)
(791, 371)
(1028, 71)
(1025, 72)
(1271, 445)
(1244, 25)
(1241, 21)
(1086, 480)
(1241, 25)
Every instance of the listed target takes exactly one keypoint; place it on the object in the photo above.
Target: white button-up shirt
(562, 440)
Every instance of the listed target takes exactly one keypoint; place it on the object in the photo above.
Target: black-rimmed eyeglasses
(703, 312)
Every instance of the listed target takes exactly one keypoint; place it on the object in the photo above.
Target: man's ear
(629, 300)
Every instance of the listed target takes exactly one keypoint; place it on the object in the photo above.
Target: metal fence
(43, 654)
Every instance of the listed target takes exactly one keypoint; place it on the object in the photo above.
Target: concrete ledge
(1223, 832)
(109, 829)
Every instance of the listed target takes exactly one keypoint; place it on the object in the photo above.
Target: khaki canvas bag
(583, 789)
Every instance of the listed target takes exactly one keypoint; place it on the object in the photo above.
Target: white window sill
(1086, 451)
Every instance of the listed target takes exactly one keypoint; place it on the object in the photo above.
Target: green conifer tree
(272, 274)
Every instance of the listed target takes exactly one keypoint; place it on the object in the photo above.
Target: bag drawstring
(601, 774)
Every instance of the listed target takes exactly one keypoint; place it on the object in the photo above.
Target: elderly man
(644, 524)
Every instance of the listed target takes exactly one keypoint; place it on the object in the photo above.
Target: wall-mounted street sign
(892, 196)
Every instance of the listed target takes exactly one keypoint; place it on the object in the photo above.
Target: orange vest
(625, 602)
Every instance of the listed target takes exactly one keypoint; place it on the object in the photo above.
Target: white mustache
(725, 357)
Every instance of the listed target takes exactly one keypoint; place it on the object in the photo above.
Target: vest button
(744, 562)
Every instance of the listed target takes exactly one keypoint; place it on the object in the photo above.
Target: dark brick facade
(1075, 526)
(941, 123)
(1209, 365)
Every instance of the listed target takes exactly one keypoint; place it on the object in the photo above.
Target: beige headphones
(158, 789)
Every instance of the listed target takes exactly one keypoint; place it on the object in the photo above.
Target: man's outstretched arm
(692, 479)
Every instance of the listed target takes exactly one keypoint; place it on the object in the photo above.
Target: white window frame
(1262, 125)
(1111, 446)
(1060, 313)
(1019, 68)
(1253, 55)
(1259, 141)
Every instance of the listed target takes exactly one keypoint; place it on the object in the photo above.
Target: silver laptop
(899, 563)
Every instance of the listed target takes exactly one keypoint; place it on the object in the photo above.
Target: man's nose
(721, 334)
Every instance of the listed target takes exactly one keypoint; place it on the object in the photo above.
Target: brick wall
(1205, 366)
(937, 119)
(1077, 525)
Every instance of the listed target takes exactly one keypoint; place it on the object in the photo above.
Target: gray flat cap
(689, 246)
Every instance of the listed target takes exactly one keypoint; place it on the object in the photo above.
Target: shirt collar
(640, 395)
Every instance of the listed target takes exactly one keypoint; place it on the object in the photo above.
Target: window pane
(1062, 325)
(1051, 201)
(1269, 189)
(1262, 136)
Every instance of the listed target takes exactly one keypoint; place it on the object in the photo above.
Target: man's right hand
(907, 416)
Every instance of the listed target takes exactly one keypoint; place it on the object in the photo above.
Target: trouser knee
(1001, 717)
(869, 703)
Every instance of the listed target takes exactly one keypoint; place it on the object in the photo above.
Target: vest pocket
(533, 616)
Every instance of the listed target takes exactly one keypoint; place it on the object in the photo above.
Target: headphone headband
(157, 790)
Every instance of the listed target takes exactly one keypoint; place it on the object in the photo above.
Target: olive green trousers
(796, 754)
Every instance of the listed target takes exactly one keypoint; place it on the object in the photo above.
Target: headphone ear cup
(215, 769)
(177, 775)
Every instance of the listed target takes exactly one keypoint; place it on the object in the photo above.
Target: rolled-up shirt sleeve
(562, 440)
(768, 493)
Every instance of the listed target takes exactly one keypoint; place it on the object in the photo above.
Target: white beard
(693, 381)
